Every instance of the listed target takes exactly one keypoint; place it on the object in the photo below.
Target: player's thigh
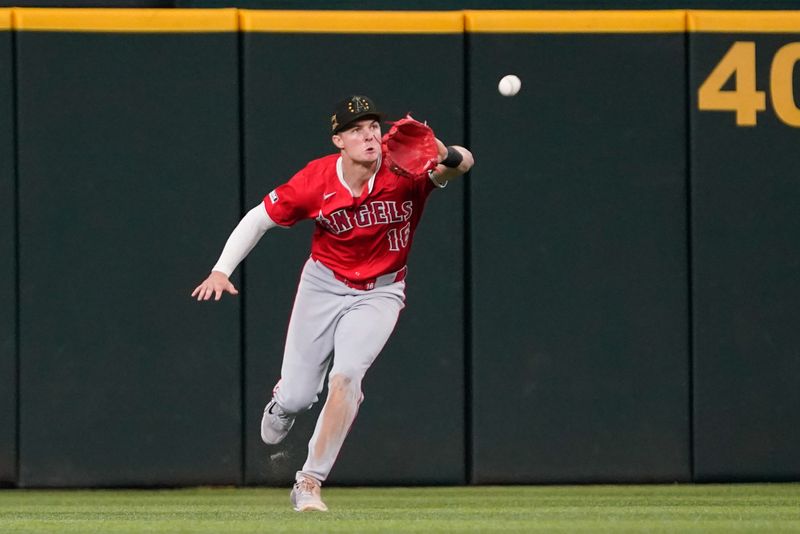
(309, 343)
(363, 331)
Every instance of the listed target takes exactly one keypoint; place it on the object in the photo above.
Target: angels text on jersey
(368, 214)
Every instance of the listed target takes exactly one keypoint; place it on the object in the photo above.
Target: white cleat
(275, 424)
(305, 496)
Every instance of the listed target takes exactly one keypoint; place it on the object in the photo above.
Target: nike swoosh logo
(326, 196)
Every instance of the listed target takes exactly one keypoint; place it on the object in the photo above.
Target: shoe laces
(279, 413)
(306, 487)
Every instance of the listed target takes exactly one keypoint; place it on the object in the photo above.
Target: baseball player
(352, 286)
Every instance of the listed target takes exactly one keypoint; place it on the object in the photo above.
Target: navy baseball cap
(352, 109)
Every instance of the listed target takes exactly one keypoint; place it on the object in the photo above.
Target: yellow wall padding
(744, 21)
(126, 20)
(352, 21)
(670, 21)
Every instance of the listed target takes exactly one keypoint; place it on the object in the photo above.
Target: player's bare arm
(444, 173)
(241, 241)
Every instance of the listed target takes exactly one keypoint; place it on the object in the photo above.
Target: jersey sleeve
(424, 185)
(293, 201)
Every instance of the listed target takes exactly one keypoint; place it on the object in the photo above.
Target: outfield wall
(607, 297)
(8, 259)
(744, 198)
(578, 240)
(123, 379)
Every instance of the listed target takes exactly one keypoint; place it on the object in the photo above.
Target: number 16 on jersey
(398, 238)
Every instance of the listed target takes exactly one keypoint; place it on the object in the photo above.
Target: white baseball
(509, 85)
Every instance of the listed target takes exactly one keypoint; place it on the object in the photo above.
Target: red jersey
(357, 238)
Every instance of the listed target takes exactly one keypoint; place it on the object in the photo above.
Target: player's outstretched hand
(216, 284)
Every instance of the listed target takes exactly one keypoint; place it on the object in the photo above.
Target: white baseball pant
(351, 326)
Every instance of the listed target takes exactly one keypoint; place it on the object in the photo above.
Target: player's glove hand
(410, 148)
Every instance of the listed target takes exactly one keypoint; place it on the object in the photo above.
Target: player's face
(361, 142)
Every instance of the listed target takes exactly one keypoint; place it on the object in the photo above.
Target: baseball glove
(410, 148)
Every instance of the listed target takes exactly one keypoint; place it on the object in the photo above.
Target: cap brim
(378, 116)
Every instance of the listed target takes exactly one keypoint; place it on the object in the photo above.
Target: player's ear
(337, 142)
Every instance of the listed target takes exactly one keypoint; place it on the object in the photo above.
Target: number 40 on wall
(745, 100)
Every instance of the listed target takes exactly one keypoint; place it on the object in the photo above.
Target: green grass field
(767, 508)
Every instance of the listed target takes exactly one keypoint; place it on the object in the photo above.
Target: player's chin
(371, 154)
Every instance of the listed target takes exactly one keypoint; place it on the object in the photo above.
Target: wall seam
(689, 246)
(16, 218)
(468, 339)
(242, 267)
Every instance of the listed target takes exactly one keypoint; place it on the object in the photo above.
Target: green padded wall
(745, 234)
(414, 393)
(580, 365)
(563, 349)
(8, 286)
(129, 181)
